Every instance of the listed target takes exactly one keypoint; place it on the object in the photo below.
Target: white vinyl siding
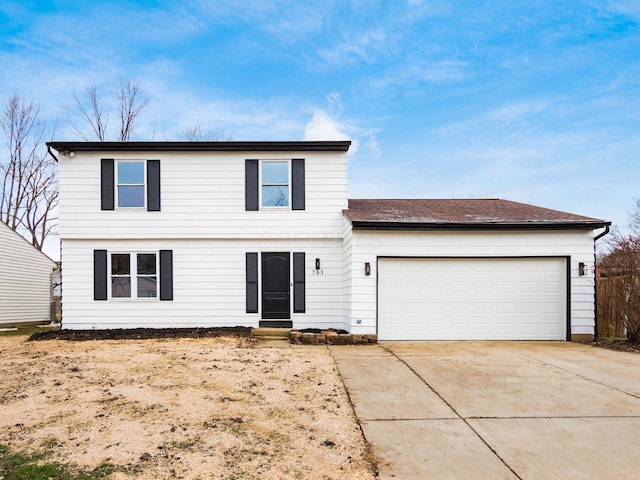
(25, 280)
(203, 196)
(472, 299)
(367, 246)
(205, 224)
(208, 284)
(347, 273)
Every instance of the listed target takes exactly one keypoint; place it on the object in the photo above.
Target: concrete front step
(271, 333)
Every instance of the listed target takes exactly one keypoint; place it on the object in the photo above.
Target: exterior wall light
(582, 269)
(317, 264)
(367, 269)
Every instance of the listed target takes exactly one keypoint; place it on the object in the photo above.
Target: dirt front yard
(213, 408)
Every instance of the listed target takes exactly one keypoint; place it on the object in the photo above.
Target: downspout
(52, 154)
(599, 236)
(59, 244)
(595, 281)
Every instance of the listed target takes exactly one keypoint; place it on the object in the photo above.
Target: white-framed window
(130, 183)
(133, 275)
(275, 183)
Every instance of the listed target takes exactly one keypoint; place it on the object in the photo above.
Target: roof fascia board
(360, 225)
(302, 146)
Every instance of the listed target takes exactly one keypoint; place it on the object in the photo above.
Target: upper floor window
(130, 183)
(275, 184)
(272, 184)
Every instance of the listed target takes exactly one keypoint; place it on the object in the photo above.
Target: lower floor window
(134, 275)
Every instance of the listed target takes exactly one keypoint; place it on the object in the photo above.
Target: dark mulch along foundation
(141, 333)
(619, 345)
(326, 330)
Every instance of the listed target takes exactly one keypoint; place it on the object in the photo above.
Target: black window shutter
(153, 185)
(299, 304)
(106, 184)
(252, 282)
(297, 184)
(99, 274)
(166, 274)
(251, 184)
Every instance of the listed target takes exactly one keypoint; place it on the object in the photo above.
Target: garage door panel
(529, 309)
(415, 309)
(552, 309)
(479, 298)
(551, 287)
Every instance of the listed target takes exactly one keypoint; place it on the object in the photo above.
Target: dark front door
(276, 309)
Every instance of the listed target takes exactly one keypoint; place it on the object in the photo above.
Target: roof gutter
(366, 225)
(187, 146)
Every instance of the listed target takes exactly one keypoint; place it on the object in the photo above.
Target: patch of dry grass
(216, 408)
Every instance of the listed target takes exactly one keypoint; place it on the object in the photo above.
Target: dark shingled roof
(461, 213)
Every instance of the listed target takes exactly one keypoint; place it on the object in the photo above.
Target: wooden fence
(609, 321)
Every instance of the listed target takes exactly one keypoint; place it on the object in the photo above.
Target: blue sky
(532, 101)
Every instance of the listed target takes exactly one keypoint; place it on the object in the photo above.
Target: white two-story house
(210, 234)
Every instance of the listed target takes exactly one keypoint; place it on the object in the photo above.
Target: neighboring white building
(25, 281)
(204, 234)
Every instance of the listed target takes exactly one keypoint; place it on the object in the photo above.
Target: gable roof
(491, 213)
(18, 240)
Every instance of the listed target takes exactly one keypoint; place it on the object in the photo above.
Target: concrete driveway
(496, 410)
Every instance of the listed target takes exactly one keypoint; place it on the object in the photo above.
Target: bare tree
(198, 134)
(29, 190)
(634, 219)
(621, 267)
(93, 112)
(131, 101)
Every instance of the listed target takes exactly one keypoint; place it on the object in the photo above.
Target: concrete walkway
(496, 410)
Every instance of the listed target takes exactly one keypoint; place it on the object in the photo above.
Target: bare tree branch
(198, 134)
(93, 112)
(622, 267)
(634, 219)
(131, 102)
(92, 115)
(29, 192)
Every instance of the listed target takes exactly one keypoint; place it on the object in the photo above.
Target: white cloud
(241, 118)
(516, 111)
(367, 47)
(374, 145)
(626, 7)
(415, 76)
(498, 118)
(334, 100)
(323, 127)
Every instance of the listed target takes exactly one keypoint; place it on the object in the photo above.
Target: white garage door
(472, 299)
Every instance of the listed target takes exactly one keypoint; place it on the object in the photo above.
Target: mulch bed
(619, 345)
(318, 330)
(141, 333)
